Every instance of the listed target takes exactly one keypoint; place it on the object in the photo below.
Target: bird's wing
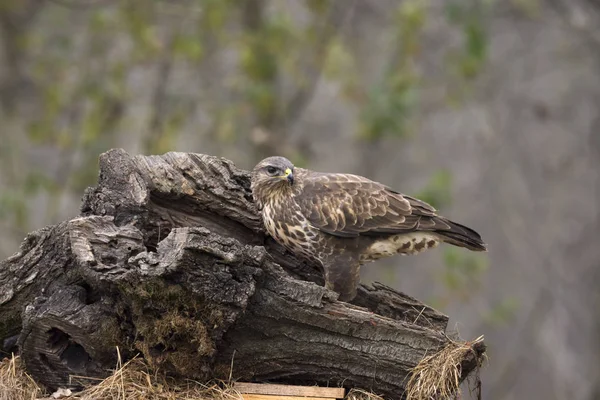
(349, 205)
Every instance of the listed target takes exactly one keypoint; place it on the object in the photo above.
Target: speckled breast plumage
(288, 226)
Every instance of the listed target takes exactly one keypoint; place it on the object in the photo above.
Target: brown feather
(348, 205)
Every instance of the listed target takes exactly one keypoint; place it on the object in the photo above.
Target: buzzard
(342, 221)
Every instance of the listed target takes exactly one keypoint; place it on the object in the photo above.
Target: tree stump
(169, 259)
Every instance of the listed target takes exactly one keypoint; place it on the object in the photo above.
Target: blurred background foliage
(82, 83)
(430, 97)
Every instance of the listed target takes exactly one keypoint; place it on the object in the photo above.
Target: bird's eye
(271, 170)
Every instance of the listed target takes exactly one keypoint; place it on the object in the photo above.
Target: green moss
(111, 335)
(175, 338)
(172, 326)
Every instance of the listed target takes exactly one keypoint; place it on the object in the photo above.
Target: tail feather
(462, 236)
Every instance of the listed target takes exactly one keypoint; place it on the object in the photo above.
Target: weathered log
(170, 259)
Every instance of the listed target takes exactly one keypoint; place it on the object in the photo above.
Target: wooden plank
(289, 390)
(247, 396)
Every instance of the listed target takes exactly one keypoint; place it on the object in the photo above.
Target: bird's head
(271, 176)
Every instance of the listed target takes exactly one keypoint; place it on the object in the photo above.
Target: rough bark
(169, 259)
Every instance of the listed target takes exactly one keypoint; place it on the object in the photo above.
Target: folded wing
(348, 205)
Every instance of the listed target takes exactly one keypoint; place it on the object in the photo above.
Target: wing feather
(349, 205)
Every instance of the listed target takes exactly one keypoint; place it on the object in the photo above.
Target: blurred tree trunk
(15, 17)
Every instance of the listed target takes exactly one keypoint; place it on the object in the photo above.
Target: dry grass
(15, 383)
(359, 394)
(131, 380)
(437, 376)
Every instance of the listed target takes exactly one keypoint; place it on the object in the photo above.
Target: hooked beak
(290, 176)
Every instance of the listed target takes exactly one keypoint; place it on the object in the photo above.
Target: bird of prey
(342, 221)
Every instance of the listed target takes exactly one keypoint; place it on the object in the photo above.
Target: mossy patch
(173, 327)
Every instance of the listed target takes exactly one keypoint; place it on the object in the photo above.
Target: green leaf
(438, 192)
(454, 12)
(318, 7)
(188, 47)
(13, 207)
(452, 257)
(503, 312)
(36, 181)
(468, 61)
(215, 14)
(476, 39)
